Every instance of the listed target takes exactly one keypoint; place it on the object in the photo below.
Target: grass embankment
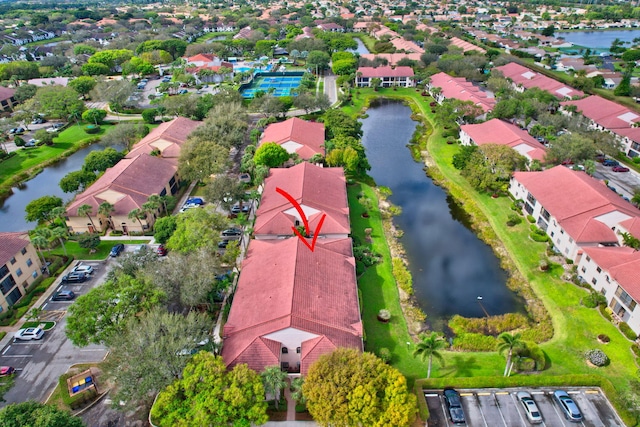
(102, 251)
(27, 162)
(575, 327)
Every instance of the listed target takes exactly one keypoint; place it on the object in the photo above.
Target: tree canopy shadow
(460, 366)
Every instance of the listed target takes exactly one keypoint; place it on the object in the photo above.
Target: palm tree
(57, 212)
(296, 390)
(86, 210)
(509, 342)
(274, 381)
(40, 239)
(138, 214)
(60, 233)
(156, 201)
(106, 209)
(429, 347)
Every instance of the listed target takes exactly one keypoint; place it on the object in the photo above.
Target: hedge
(578, 380)
(627, 331)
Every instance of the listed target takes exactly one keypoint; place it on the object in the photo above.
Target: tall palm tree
(508, 342)
(274, 381)
(40, 239)
(60, 233)
(138, 214)
(429, 347)
(87, 210)
(106, 209)
(155, 200)
(57, 212)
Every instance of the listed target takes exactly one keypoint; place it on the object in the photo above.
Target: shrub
(19, 141)
(604, 338)
(149, 115)
(474, 342)
(597, 357)
(402, 275)
(605, 311)
(513, 219)
(635, 349)
(92, 129)
(538, 235)
(384, 315)
(627, 331)
(531, 219)
(78, 400)
(117, 232)
(593, 300)
(384, 354)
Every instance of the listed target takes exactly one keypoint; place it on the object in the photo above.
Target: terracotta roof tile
(167, 138)
(310, 135)
(528, 79)
(496, 131)
(386, 71)
(460, 88)
(622, 264)
(11, 243)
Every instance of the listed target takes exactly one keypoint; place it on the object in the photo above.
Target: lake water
(450, 266)
(598, 39)
(361, 49)
(44, 184)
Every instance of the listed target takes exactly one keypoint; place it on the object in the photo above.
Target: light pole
(486, 319)
(479, 298)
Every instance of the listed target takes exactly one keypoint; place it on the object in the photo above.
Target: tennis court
(281, 84)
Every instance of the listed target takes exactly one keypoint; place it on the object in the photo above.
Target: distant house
(166, 140)
(295, 135)
(389, 76)
(19, 267)
(292, 305)
(443, 86)
(496, 131)
(202, 62)
(465, 45)
(574, 209)
(7, 98)
(523, 78)
(319, 191)
(391, 58)
(331, 27)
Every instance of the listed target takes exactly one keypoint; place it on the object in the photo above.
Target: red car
(620, 169)
(6, 370)
(161, 250)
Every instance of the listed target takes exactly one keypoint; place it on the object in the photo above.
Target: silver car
(29, 334)
(530, 407)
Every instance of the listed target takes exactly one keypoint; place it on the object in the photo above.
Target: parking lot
(500, 407)
(625, 183)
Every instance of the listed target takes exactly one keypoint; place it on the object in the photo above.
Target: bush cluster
(92, 129)
(513, 219)
(635, 349)
(597, 357)
(605, 311)
(593, 300)
(604, 338)
(474, 342)
(627, 331)
(402, 275)
(531, 219)
(538, 235)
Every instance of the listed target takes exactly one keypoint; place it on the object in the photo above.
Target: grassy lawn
(102, 252)
(575, 327)
(26, 160)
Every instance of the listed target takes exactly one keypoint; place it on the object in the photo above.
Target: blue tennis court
(282, 85)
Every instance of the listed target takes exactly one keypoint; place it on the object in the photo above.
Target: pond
(450, 266)
(44, 184)
(598, 39)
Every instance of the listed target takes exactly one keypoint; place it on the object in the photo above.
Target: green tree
(77, 181)
(195, 229)
(36, 414)
(55, 101)
(429, 347)
(24, 92)
(270, 154)
(491, 165)
(137, 214)
(39, 209)
(224, 189)
(149, 115)
(200, 159)
(89, 241)
(548, 31)
(624, 88)
(111, 57)
(83, 85)
(462, 157)
(40, 239)
(274, 380)
(160, 343)
(630, 241)
(318, 60)
(209, 394)
(574, 146)
(106, 209)
(100, 161)
(94, 115)
(101, 314)
(87, 210)
(95, 69)
(339, 123)
(375, 83)
(125, 133)
(509, 342)
(347, 387)
(61, 233)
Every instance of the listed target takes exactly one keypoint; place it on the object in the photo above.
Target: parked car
(568, 406)
(116, 250)
(223, 243)
(31, 143)
(610, 162)
(55, 127)
(83, 268)
(19, 131)
(195, 200)
(63, 295)
(237, 209)
(6, 370)
(183, 92)
(29, 334)
(454, 405)
(161, 250)
(38, 121)
(166, 79)
(530, 407)
(232, 232)
(620, 169)
(74, 277)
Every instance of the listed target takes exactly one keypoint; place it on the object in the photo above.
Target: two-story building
(304, 138)
(19, 267)
(401, 76)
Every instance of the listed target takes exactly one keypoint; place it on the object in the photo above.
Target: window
(599, 270)
(588, 258)
(584, 269)
(285, 350)
(607, 279)
(298, 350)
(14, 296)
(4, 270)
(34, 274)
(545, 214)
(561, 231)
(531, 199)
(29, 262)
(23, 251)
(13, 260)
(528, 208)
(625, 298)
(7, 284)
(594, 280)
(19, 272)
(570, 240)
(553, 233)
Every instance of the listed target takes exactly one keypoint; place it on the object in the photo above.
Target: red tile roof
(622, 264)
(174, 133)
(528, 79)
(460, 88)
(496, 131)
(133, 179)
(314, 187)
(11, 243)
(466, 46)
(309, 134)
(387, 71)
(632, 226)
(576, 200)
(392, 58)
(284, 285)
(6, 93)
(609, 115)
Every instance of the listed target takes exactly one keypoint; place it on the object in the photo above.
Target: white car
(29, 334)
(82, 268)
(530, 407)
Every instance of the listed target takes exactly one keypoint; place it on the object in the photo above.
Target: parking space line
(537, 392)
(501, 393)
(466, 394)
(591, 392)
(17, 355)
(444, 411)
(481, 412)
(484, 394)
(431, 395)
(44, 306)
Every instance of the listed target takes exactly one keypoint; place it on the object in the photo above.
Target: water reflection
(450, 266)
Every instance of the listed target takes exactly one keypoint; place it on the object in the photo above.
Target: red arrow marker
(305, 221)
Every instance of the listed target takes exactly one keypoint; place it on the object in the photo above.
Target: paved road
(624, 183)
